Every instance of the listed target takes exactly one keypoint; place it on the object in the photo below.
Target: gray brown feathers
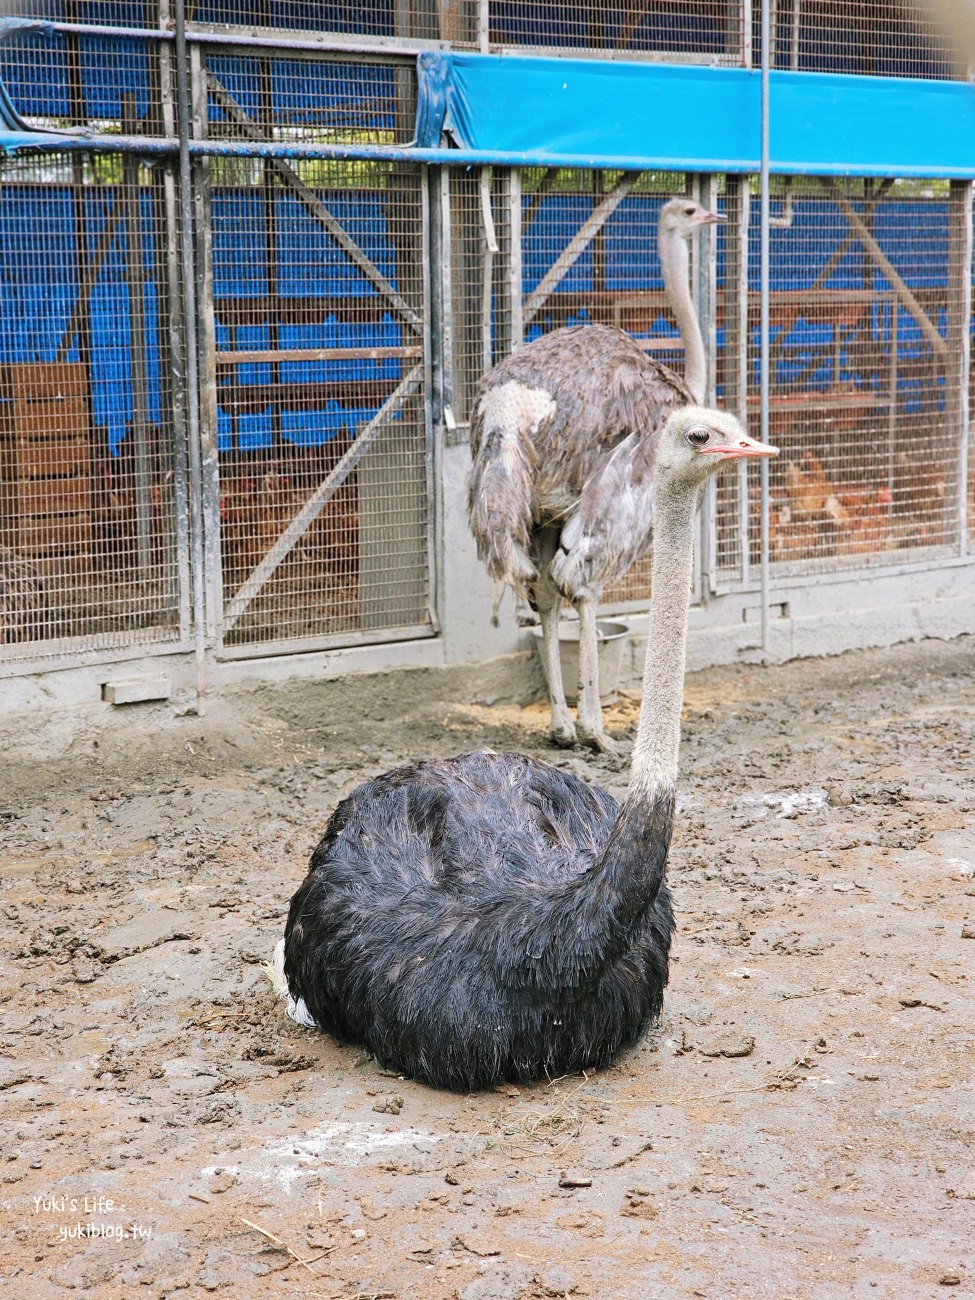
(546, 423)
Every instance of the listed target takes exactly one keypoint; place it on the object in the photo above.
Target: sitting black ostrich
(489, 916)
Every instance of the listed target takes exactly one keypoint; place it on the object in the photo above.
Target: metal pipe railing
(190, 351)
(315, 44)
(764, 266)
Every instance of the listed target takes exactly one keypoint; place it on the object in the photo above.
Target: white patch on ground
(285, 1160)
(788, 802)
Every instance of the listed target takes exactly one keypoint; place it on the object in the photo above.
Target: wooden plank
(347, 309)
(24, 456)
(40, 534)
(49, 419)
(813, 401)
(50, 496)
(39, 381)
(238, 357)
(355, 394)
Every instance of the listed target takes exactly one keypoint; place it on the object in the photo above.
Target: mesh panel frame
(860, 356)
(336, 101)
(91, 468)
(867, 37)
(319, 345)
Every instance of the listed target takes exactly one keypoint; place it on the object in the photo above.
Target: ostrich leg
(590, 728)
(548, 603)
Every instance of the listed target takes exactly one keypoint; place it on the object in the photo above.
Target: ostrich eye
(689, 212)
(698, 437)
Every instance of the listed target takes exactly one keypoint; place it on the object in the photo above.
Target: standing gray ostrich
(562, 438)
(491, 917)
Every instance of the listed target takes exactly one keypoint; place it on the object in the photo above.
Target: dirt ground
(801, 1124)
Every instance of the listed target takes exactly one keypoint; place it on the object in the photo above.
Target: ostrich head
(696, 441)
(683, 216)
(678, 220)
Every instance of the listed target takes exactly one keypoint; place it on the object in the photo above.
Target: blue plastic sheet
(587, 112)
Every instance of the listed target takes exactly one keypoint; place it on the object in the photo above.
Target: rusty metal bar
(332, 43)
(190, 344)
(959, 340)
(134, 274)
(319, 354)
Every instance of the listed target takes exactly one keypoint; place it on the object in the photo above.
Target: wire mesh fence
(867, 37)
(114, 13)
(860, 354)
(67, 79)
(375, 18)
(875, 38)
(315, 300)
(361, 102)
(689, 29)
(469, 331)
(90, 473)
(318, 298)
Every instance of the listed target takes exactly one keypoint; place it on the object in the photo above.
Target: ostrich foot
(562, 734)
(602, 743)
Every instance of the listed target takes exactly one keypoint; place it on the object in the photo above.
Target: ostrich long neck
(657, 743)
(637, 848)
(612, 899)
(675, 263)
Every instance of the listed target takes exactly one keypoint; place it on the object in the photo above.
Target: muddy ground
(800, 1125)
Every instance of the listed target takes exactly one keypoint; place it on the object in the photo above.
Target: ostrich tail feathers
(274, 970)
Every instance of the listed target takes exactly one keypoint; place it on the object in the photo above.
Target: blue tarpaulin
(588, 112)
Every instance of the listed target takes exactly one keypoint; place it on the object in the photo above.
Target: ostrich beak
(742, 446)
(712, 219)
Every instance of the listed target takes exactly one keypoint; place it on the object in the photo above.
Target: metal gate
(282, 501)
(315, 389)
(94, 555)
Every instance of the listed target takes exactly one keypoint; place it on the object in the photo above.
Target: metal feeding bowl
(612, 638)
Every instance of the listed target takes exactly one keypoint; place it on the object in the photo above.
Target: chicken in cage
(23, 598)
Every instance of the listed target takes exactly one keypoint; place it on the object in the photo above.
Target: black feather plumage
(453, 923)
(492, 917)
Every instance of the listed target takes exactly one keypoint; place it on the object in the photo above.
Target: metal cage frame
(199, 98)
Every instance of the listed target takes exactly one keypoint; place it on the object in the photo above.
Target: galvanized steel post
(190, 346)
(764, 325)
